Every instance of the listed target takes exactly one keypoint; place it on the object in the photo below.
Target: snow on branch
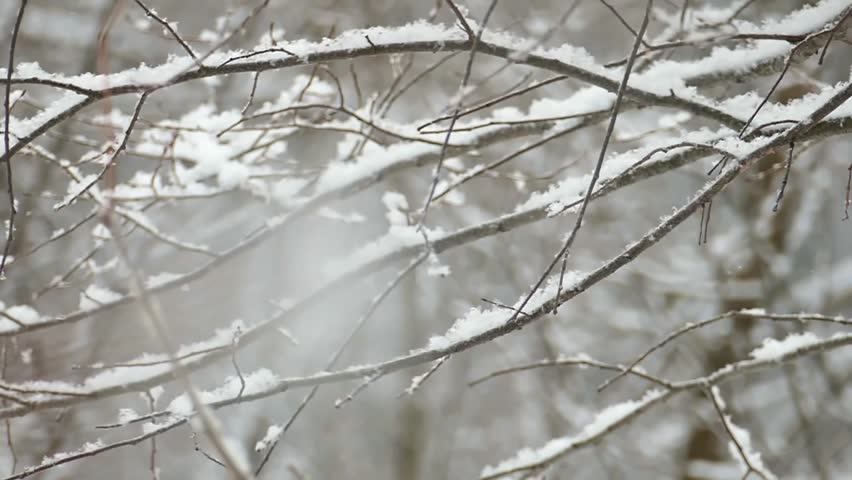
(470, 330)
(237, 179)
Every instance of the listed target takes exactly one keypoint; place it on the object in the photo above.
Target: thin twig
(7, 113)
(848, 200)
(624, 22)
(236, 365)
(747, 314)
(570, 361)
(462, 21)
(115, 152)
(10, 443)
(417, 381)
(718, 405)
(150, 13)
(566, 247)
(456, 108)
(787, 167)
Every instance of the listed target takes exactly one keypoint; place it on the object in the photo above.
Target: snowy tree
(448, 239)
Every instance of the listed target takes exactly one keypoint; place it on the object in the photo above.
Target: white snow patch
(773, 349)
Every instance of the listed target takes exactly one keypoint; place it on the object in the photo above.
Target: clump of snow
(332, 214)
(370, 162)
(606, 419)
(156, 393)
(255, 382)
(95, 296)
(158, 364)
(76, 187)
(478, 321)
(572, 189)
(273, 433)
(150, 427)
(23, 127)
(88, 447)
(397, 206)
(232, 174)
(161, 279)
(22, 313)
(438, 270)
(723, 61)
(773, 349)
(802, 21)
(285, 191)
(399, 237)
(127, 415)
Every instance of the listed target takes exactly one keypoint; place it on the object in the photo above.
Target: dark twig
(355, 83)
(497, 100)
(152, 459)
(245, 108)
(571, 361)
(474, 42)
(416, 78)
(831, 35)
(592, 119)
(150, 13)
(200, 450)
(417, 381)
(564, 251)
(786, 178)
(13, 209)
(114, 153)
(704, 227)
(199, 62)
(805, 42)
(10, 443)
(848, 197)
(501, 305)
(719, 406)
(368, 380)
(688, 328)
(462, 21)
(236, 365)
(624, 22)
(745, 314)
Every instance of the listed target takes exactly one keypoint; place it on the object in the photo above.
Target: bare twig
(569, 241)
(848, 200)
(115, 152)
(457, 106)
(745, 314)
(7, 154)
(787, 167)
(462, 21)
(578, 361)
(719, 406)
(151, 14)
(418, 381)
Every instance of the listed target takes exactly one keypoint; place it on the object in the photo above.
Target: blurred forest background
(796, 259)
